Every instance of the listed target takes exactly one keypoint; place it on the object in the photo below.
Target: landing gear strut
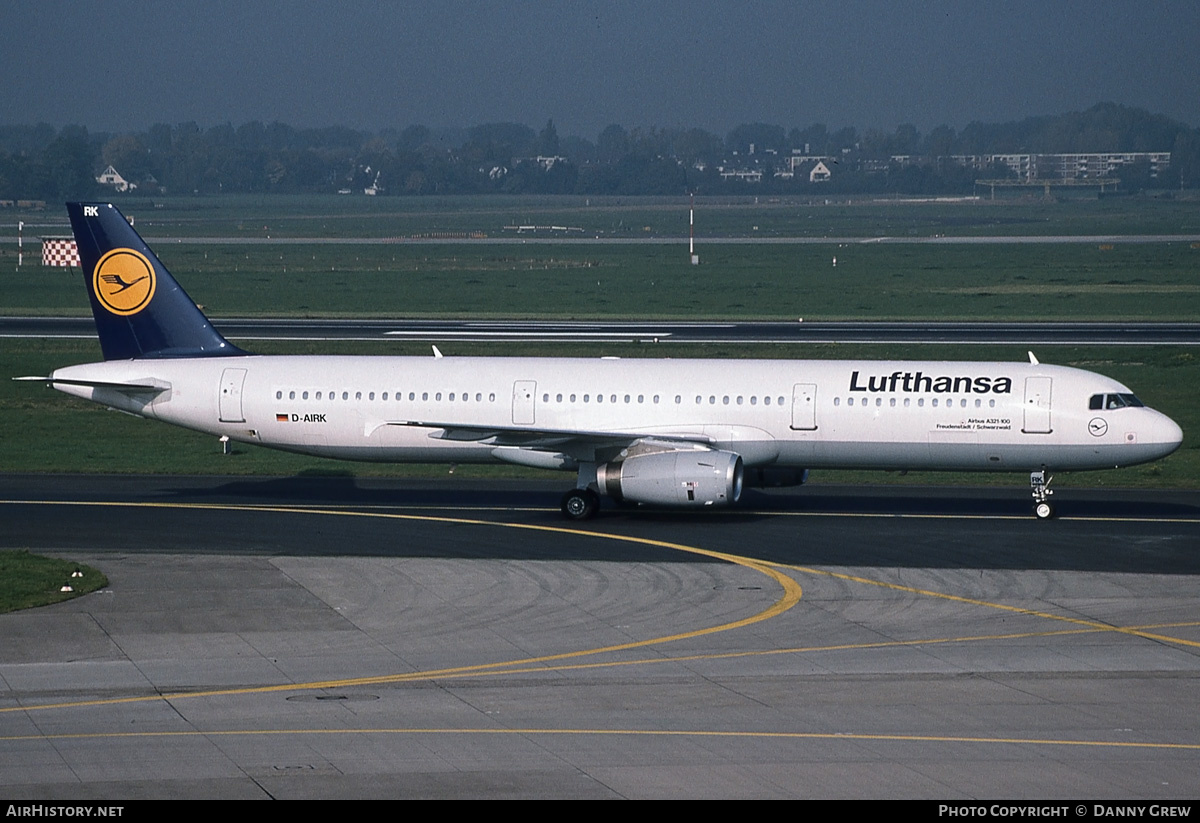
(580, 504)
(1039, 485)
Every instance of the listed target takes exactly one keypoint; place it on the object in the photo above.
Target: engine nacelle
(775, 477)
(674, 478)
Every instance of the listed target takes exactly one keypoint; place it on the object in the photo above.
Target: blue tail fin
(140, 310)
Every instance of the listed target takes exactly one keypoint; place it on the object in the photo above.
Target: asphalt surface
(307, 637)
(237, 329)
(562, 238)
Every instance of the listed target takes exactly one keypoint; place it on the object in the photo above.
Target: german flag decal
(281, 418)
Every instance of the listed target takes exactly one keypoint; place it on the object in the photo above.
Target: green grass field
(748, 216)
(29, 580)
(1154, 281)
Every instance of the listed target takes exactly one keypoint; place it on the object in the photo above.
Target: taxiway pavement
(336, 637)
(512, 331)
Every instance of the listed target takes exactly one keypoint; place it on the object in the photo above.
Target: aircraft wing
(558, 439)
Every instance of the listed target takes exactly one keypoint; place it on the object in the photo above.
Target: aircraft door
(524, 401)
(804, 406)
(1037, 405)
(231, 395)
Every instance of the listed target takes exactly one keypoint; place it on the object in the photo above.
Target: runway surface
(338, 638)
(547, 238)
(239, 329)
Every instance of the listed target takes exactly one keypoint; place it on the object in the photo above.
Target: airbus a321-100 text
(664, 432)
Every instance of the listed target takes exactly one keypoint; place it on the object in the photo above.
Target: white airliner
(667, 432)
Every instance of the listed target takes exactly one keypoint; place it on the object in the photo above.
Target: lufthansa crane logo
(124, 281)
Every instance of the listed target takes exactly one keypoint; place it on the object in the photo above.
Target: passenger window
(304, 396)
(291, 395)
(371, 396)
(837, 401)
(278, 395)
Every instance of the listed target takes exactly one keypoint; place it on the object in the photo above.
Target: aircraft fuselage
(971, 416)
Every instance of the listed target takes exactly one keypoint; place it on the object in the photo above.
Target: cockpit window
(1114, 401)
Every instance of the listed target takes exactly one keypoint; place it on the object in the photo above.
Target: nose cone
(1165, 434)
(1170, 434)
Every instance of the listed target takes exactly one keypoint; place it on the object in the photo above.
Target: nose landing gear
(1039, 484)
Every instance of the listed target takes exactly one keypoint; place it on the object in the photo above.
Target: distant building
(807, 161)
(1030, 167)
(111, 177)
(746, 175)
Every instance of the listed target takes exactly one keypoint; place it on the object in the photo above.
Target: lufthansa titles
(921, 383)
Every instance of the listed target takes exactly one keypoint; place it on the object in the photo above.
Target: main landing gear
(580, 504)
(1039, 485)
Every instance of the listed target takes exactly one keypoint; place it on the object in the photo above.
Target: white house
(111, 177)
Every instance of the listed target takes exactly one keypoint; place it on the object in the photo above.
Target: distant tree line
(40, 162)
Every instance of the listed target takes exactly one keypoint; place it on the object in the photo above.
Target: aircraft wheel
(580, 504)
(1043, 511)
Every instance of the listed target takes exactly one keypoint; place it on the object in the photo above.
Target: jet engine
(674, 478)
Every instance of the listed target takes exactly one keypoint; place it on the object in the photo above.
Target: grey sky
(121, 65)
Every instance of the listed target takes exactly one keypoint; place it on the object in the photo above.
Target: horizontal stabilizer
(156, 387)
